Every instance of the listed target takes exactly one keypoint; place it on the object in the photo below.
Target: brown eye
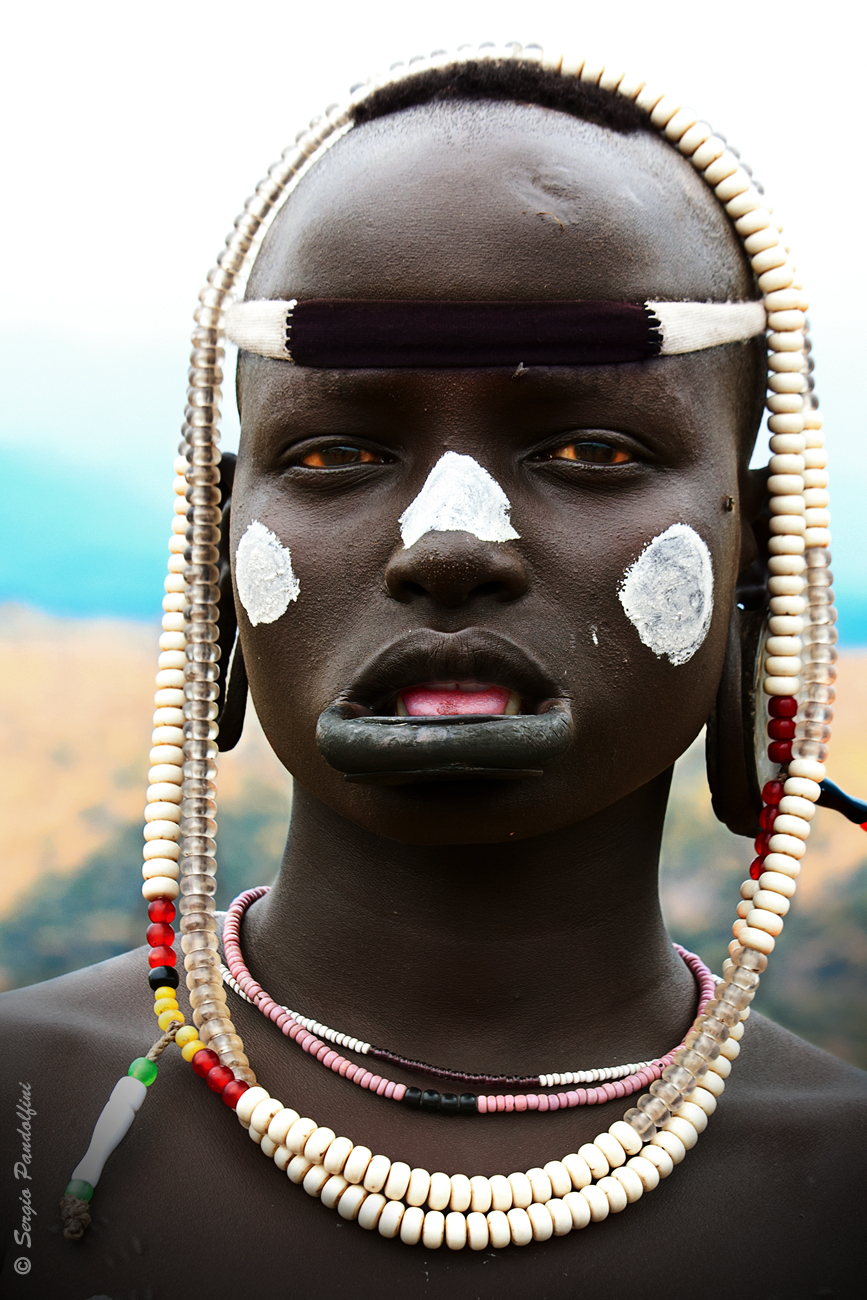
(333, 457)
(591, 453)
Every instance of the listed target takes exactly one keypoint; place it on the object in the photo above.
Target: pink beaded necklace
(636, 1077)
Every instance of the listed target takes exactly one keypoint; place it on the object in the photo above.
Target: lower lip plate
(378, 750)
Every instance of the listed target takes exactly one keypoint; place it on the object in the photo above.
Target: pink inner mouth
(447, 699)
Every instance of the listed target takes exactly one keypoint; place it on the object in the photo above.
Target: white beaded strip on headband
(265, 327)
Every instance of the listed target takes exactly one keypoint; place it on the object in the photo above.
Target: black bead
(449, 1103)
(163, 975)
(469, 1104)
(430, 1099)
(412, 1097)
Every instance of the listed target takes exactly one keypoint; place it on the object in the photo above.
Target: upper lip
(427, 656)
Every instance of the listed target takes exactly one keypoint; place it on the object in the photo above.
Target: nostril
(453, 567)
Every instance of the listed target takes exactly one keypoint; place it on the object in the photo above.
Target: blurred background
(133, 135)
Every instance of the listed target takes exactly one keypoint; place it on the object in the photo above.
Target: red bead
(161, 909)
(767, 817)
(204, 1061)
(162, 957)
(781, 729)
(756, 868)
(780, 751)
(773, 791)
(761, 843)
(218, 1078)
(233, 1092)
(782, 706)
(160, 934)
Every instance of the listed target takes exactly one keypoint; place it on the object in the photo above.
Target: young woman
(504, 358)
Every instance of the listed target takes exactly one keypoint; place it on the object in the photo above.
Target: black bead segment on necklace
(163, 976)
(447, 1103)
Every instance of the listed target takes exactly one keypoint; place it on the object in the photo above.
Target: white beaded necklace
(631, 1156)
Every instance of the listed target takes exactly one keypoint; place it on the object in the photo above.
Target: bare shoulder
(74, 1013)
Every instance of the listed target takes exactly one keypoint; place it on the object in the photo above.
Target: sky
(133, 134)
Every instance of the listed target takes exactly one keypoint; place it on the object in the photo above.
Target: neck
(540, 954)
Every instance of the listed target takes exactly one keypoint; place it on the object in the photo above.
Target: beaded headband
(795, 672)
(345, 333)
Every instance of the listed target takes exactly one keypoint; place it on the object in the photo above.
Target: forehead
(498, 200)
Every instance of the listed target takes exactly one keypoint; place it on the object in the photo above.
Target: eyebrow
(356, 333)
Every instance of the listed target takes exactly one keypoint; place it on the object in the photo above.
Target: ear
(732, 730)
(232, 700)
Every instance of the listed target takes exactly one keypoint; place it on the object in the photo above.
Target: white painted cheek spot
(668, 593)
(458, 496)
(264, 576)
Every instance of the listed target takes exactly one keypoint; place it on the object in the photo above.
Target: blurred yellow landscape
(75, 712)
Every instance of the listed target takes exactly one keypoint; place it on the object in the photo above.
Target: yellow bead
(167, 1017)
(165, 991)
(165, 1004)
(186, 1035)
(189, 1050)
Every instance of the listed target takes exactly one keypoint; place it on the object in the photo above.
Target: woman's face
(495, 201)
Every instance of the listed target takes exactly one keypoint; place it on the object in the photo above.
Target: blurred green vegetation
(816, 984)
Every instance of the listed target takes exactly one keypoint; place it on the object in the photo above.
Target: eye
(590, 453)
(335, 457)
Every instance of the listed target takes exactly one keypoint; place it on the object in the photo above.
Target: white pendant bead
(760, 919)
(629, 1180)
(758, 939)
(376, 1174)
(703, 1098)
(520, 1227)
(501, 1192)
(522, 1192)
(540, 1185)
(297, 1168)
(561, 1217)
(411, 1225)
(481, 1199)
(541, 1222)
(597, 1202)
(646, 1170)
(433, 1230)
(461, 1193)
(455, 1231)
(561, 1181)
(595, 1160)
(337, 1154)
(351, 1202)
(296, 1138)
(418, 1188)
(778, 883)
(264, 1112)
(659, 1157)
(670, 1142)
(692, 1114)
(390, 1219)
(397, 1182)
(356, 1164)
(370, 1210)
(499, 1229)
(333, 1190)
(808, 791)
(160, 887)
(440, 1191)
(315, 1180)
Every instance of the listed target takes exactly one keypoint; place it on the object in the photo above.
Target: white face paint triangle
(264, 575)
(458, 496)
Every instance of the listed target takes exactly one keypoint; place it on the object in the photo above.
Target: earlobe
(730, 746)
(232, 700)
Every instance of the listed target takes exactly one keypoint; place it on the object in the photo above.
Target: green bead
(78, 1187)
(143, 1069)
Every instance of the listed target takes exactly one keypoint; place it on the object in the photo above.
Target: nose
(454, 567)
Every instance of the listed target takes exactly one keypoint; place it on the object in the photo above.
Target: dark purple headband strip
(350, 333)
